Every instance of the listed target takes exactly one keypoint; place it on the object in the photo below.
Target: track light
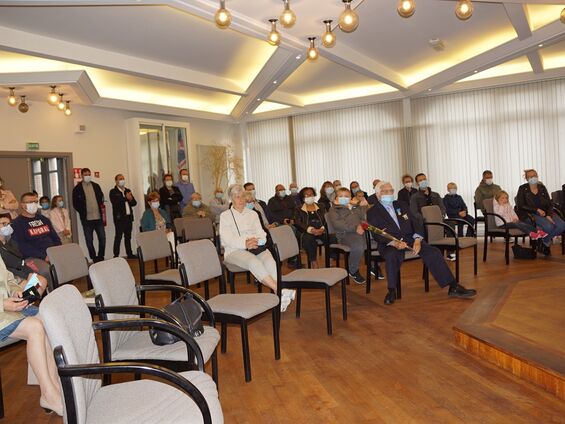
(61, 104)
(288, 17)
(348, 20)
(406, 8)
(464, 9)
(274, 37)
(68, 111)
(52, 98)
(328, 39)
(23, 107)
(312, 50)
(562, 16)
(12, 100)
(223, 16)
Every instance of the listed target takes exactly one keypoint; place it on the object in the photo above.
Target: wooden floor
(394, 364)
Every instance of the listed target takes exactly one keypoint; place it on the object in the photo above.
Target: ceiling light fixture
(562, 17)
(23, 107)
(288, 17)
(12, 100)
(328, 39)
(464, 9)
(68, 110)
(61, 104)
(223, 16)
(52, 98)
(312, 50)
(349, 19)
(406, 8)
(540, 45)
(274, 37)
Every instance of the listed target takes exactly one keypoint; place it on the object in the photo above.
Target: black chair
(372, 255)
(493, 231)
(559, 208)
(336, 249)
(68, 264)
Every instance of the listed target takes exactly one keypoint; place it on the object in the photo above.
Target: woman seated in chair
(18, 321)
(155, 218)
(501, 206)
(327, 195)
(534, 204)
(244, 242)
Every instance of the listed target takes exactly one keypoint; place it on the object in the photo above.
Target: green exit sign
(32, 146)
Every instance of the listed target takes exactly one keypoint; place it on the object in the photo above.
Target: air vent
(436, 44)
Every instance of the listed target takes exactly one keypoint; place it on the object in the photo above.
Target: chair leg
(259, 287)
(206, 290)
(1, 399)
(507, 250)
(426, 279)
(248, 276)
(224, 337)
(231, 280)
(215, 366)
(457, 254)
(344, 300)
(328, 311)
(368, 284)
(245, 347)
(475, 265)
(485, 249)
(399, 287)
(276, 332)
(298, 302)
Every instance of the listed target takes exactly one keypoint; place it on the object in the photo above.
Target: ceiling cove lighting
(23, 107)
(349, 19)
(562, 18)
(53, 98)
(223, 16)
(464, 9)
(406, 8)
(61, 104)
(288, 17)
(274, 37)
(12, 100)
(68, 110)
(312, 50)
(328, 39)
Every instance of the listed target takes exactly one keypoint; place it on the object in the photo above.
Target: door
(15, 173)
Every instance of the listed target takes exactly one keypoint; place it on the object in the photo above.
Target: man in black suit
(401, 224)
(122, 209)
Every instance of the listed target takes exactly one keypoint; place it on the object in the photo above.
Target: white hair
(234, 190)
(379, 187)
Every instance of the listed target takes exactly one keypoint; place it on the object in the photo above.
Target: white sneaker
(285, 301)
(451, 257)
(289, 293)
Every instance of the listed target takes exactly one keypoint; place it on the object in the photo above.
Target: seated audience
(60, 219)
(400, 223)
(345, 218)
(8, 202)
(326, 192)
(407, 190)
(18, 320)
(372, 199)
(455, 207)
(244, 242)
(355, 188)
(185, 187)
(45, 206)
(155, 218)
(486, 190)
(501, 206)
(533, 204)
(197, 209)
(33, 233)
(424, 197)
(218, 204)
(360, 199)
(170, 197)
(281, 207)
(293, 187)
(261, 206)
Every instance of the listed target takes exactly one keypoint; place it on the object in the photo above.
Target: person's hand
(286, 221)
(15, 303)
(550, 219)
(417, 246)
(515, 220)
(363, 202)
(251, 243)
(129, 196)
(400, 245)
(201, 214)
(541, 212)
(67, 232)
(273, 225)
(462, 214)
(360, 230)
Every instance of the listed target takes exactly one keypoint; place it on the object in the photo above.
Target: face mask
(219, 195)
(45, 206)
(387, 199)
(155, 205)
(488, 181)
(249, 205)
(87, 178)
(6, 231)
(309, 200)
(282, 193)
(355, 190)
(329, 190)
(184, 178)
(452, 191)
(31, 208)
(60, 203)
(408, 186)
(294, 190)
(343, 201)
(122, 183)
(169, 183)
(423, 184)
(196, 203)
(533, 181)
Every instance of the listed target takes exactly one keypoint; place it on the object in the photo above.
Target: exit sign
(32, 146)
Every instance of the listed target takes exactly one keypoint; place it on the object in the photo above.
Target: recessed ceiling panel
(540, 15)
(554, 56)
(517, 66)
(269, 107)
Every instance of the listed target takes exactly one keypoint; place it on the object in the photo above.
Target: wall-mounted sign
(32, 146)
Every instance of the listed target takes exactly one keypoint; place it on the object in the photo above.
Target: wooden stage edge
(478, 331)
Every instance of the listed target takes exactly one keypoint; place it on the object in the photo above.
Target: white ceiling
(169, 56)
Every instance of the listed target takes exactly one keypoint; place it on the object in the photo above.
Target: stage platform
(518, 324)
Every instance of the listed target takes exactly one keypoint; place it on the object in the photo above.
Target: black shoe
(98, 259)
(377, 273)
(132, 256)
(357, 277)
(460, 291)
(390, 297)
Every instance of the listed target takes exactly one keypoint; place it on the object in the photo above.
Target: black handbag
(188, 313)
(521, 252)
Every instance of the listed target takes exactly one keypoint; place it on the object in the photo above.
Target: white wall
(103, 146)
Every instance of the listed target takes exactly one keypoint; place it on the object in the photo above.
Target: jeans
(553, 229)
(89, 228)
(357, 245)
(525, 227)
(30, 311)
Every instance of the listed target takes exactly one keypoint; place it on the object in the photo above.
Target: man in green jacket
(486, 190)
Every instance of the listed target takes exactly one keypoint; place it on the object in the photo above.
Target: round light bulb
(406, 8)
(223, 16)
(274, 37)
(348, 20)
(53, 98)
(464, 9)
(312, 50)
(23, 107)
(61, 104)
(12, 100)
(288, 17)
(68, 111)
(329, 38)
(562, 18)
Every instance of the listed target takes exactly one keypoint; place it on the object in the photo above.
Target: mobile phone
(32, 282)
(31, 295)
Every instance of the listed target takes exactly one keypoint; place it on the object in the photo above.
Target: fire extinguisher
(103, 213)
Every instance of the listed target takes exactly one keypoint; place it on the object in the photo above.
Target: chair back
(329, 225)
(197, 229)
(286, 242)
(68, 324)
(557, 197)
(68, 261)
(433, 214)
(200, 260)
(489, 209)
(153, 245)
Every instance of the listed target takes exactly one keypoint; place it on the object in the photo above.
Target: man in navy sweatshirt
(33, 232)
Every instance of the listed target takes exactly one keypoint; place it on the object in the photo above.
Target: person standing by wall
(186, 188)
(8, 202)
(123, 203)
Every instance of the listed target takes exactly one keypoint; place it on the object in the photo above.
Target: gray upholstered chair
(493, 231)
(189, 397)
(200, 262)
(196, 229)
(68, 264)
(436, 229)
(286, 246)
(117, 297)
(335, 248)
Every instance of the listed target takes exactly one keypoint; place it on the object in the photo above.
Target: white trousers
(261, 266)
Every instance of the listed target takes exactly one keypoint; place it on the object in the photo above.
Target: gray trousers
(357, 245)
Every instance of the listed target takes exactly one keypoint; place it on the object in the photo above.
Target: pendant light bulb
(61, 104)
(464, 9)
(288, 17)
(406, 8)
(223, 16)
(328, 39)
(68, 111)
(23, 107)
(312, 50)
(562, 18)
(349, 19)
(274, 37)
(53, 98)
(12, 100)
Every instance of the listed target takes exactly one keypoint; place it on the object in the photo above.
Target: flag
(181, 151)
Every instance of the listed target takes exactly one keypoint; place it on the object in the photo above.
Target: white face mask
(408, 186)
(122, 183)
(488, 181)
(169, 183)
(309, 200)
(184, 178)
(32, 208)
(6, 231)
(87, 178)
(155, 205)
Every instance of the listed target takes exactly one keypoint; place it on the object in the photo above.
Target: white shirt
(248, 225)
(128, 208)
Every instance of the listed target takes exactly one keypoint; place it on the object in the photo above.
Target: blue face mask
(387, 199)
(196, 203)
(249, 205)
(533, 181)
(424, 184)
(45, 206)
(329, 190)
(344, 201)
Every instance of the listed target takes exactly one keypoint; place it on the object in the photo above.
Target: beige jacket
(8, 286)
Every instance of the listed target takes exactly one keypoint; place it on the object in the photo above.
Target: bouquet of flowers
(381, 232)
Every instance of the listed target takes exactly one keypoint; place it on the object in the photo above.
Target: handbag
(188, 313)
(521, 252)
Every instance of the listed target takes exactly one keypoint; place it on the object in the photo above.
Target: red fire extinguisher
(103, 213)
